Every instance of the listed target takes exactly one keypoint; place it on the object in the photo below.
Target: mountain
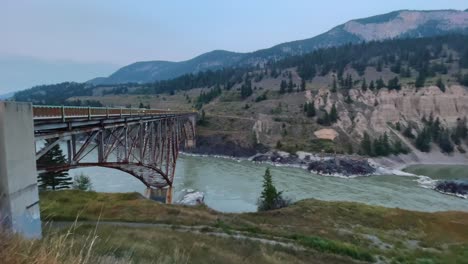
(397, 24)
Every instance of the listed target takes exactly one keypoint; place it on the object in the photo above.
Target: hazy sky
(122, 32)
(51, 41)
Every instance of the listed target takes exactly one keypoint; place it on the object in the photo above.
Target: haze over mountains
(397, 24)
(21, 72)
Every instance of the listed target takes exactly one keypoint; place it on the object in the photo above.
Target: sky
(107, 34)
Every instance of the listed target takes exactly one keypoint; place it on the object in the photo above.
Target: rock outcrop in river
(338, 166)
(458, 188)
(342, 166)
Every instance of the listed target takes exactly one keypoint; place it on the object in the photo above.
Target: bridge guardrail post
(89, 113)
(107, 112)
(121, 112)
(63, 113)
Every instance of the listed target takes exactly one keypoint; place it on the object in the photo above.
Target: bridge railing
(64, 112)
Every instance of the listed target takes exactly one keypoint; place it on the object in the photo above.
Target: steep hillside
(398, 24)
(398, 95)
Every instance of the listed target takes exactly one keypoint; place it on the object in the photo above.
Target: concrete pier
(161, 195)
(19, 198)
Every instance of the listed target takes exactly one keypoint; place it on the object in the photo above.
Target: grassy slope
(330, 232)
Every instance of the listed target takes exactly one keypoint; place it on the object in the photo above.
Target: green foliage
(262, 97)
(202, 121)
(366, 145)
(334, 85)
(54, 179)
(246, 89)
(333, 114)
(82, 183)
(303, 85)
(330, 246)
(394, 84)
(420, 80)
(381, 146)
(309, 109)
(364, 85)
(441, 85)
(423, 140)
(270, 198)
(205, 98)
(380, 83)
(283, 87)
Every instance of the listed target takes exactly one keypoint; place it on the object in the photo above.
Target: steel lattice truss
(146, 148)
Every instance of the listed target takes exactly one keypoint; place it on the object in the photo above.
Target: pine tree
(366, 145)
(54, 180)
(371, 85)
(270, 198)
(364, 85)
(380, 83)
(423, 140)
(310, 109)
(334, 88)
(441, 85)
(444, 142)
(420, 80)
(333, 114)
(290, 85)
(303, 85)
(283, 87)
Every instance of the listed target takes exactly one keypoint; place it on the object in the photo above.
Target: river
(234, 186)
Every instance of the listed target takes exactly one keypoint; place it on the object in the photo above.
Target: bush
(82, 183)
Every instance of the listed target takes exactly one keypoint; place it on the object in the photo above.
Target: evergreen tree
(394, 84)
(364, 85)
(310, 109)
(246, 89)
(371, 85)
(333, 114)
(420, 81)
(366, 145)
(423, 140)
(441, 85)
(379, 66)
(444, 142)
(270, 198)
(334, 88)
(290, 85)
(54, 180)
(303, 85)
(380, 83)
(283, 87)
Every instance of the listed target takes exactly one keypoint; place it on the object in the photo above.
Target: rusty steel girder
(144, 146)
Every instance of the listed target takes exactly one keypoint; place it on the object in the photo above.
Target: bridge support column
(19, 199)
(161, 195)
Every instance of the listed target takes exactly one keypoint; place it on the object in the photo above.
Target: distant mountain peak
(396, 24)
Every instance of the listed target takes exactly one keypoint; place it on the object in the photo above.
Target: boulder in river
(459, 188)
(342, 166)
(192, 198)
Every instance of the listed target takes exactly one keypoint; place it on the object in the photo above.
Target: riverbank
(314, 231)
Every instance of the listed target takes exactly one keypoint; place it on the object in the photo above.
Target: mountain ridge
(396, 24)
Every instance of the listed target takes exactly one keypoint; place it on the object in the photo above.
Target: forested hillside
(380, 98)
(411, 60)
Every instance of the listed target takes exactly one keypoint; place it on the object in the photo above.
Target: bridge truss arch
(142, 142)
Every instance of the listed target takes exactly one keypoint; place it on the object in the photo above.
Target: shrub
(82, 183)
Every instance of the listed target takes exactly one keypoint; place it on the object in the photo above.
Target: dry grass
(344, 230)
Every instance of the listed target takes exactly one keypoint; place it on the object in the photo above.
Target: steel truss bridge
(144, 143)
